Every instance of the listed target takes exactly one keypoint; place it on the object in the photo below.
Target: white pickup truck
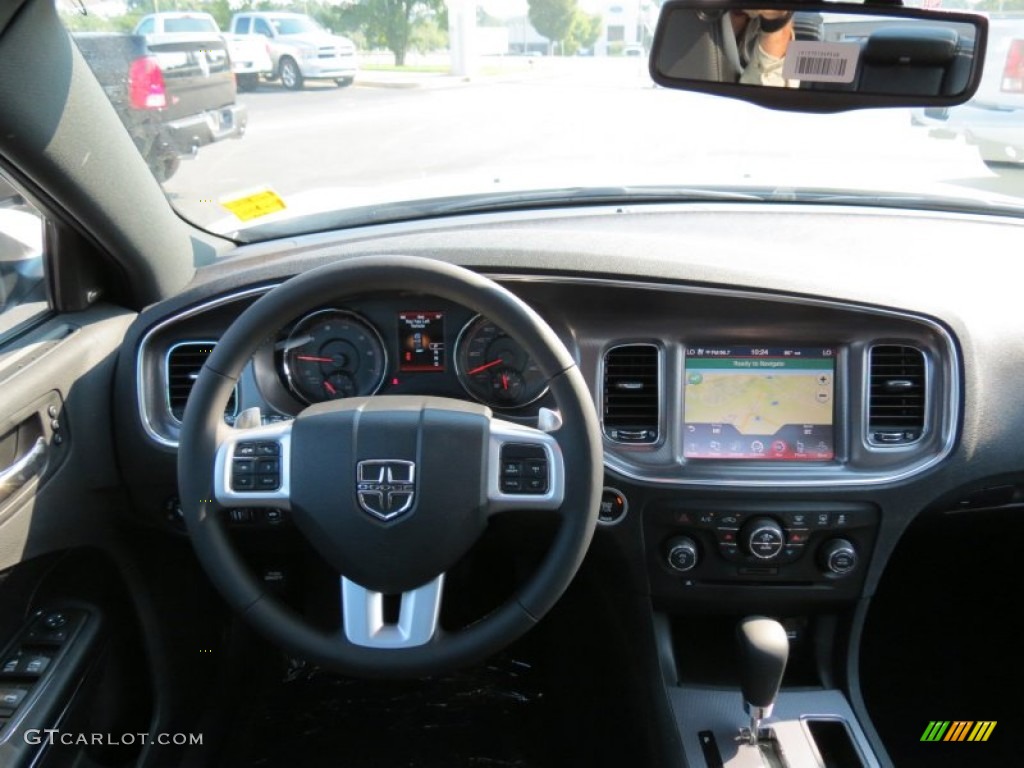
(300, 48)
(250, 56)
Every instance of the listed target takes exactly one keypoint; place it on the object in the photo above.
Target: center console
(794, 549)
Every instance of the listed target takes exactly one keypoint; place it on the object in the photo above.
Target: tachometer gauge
(331, 354)
(494, 368)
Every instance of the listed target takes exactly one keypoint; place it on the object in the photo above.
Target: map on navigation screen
(768, 403)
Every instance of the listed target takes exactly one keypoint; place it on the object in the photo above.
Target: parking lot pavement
(564, 123)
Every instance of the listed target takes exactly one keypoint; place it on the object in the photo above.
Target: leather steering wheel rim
(203, 429)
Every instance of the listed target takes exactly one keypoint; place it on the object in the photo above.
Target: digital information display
(421, 341)
(767, 403)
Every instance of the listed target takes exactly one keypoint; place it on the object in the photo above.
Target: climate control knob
(838, 557)
(681, 553)
(763, 538)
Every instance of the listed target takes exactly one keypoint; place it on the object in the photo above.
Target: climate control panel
(794, 545)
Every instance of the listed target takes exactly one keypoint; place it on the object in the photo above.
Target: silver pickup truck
(994, 119)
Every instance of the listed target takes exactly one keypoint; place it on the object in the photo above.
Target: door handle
(23, 470)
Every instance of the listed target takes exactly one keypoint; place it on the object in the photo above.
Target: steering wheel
(390, 490)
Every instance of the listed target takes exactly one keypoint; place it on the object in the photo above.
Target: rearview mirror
(819, 57)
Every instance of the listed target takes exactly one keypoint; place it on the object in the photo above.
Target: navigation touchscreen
(767, 403)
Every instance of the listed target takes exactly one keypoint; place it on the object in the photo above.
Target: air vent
(631, 398)
(184, 362)
(898, 395)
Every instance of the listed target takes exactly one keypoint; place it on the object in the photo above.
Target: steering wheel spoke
(366, 622)
(525, 469)
(252, 467)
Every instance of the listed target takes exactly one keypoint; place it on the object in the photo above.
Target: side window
(260, 27)
(22, 287)
(145, 28)
(242, 26)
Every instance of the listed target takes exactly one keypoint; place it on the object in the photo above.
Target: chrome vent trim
(631, 397)
(898, 394)
(182, 364)
(154, 414)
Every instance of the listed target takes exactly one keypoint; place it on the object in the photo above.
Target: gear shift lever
(764, 650)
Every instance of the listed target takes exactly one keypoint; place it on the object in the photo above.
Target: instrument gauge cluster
(495, 369)
(383, 347)
(332, 354)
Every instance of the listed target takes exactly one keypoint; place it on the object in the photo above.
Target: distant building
(523, 38)
(623, 23)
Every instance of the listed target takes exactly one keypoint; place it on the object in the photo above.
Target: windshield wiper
(512, 201)
(500, 202)
(558, 198)
(902, 200)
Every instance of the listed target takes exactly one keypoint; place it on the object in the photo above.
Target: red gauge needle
(314, 359)
(485, 366)
(504, 381)
(330, 387)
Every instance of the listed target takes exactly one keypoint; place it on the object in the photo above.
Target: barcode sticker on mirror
(813, 62)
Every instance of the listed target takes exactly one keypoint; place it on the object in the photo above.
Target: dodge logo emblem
(386, 487)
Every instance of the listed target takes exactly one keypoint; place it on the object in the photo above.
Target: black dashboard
(701, 386)
(875, 360)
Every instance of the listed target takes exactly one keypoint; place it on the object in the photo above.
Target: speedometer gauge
(494, 368)
(331, 354)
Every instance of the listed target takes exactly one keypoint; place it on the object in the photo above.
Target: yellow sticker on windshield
(255, 204)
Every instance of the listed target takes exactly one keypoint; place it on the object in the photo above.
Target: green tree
(392, 22)
(428, 36)
(553, 18)
(584, 31)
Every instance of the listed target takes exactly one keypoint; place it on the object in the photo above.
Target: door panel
(55, 400)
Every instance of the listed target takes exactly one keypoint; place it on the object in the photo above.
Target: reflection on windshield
(532, 119)
(289, 26)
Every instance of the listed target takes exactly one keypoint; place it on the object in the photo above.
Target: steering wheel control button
(256, 466)
(681, 554)
(537, 469)
(511, 468)
(763, 538)
(241, 482)
(524, 469)
(838, 557)
(268, 482)
(613, 507)
(244, 467)
(268, 467)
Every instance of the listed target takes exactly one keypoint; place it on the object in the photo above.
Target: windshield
(466, 113)
(189, 24)
(294, 25)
